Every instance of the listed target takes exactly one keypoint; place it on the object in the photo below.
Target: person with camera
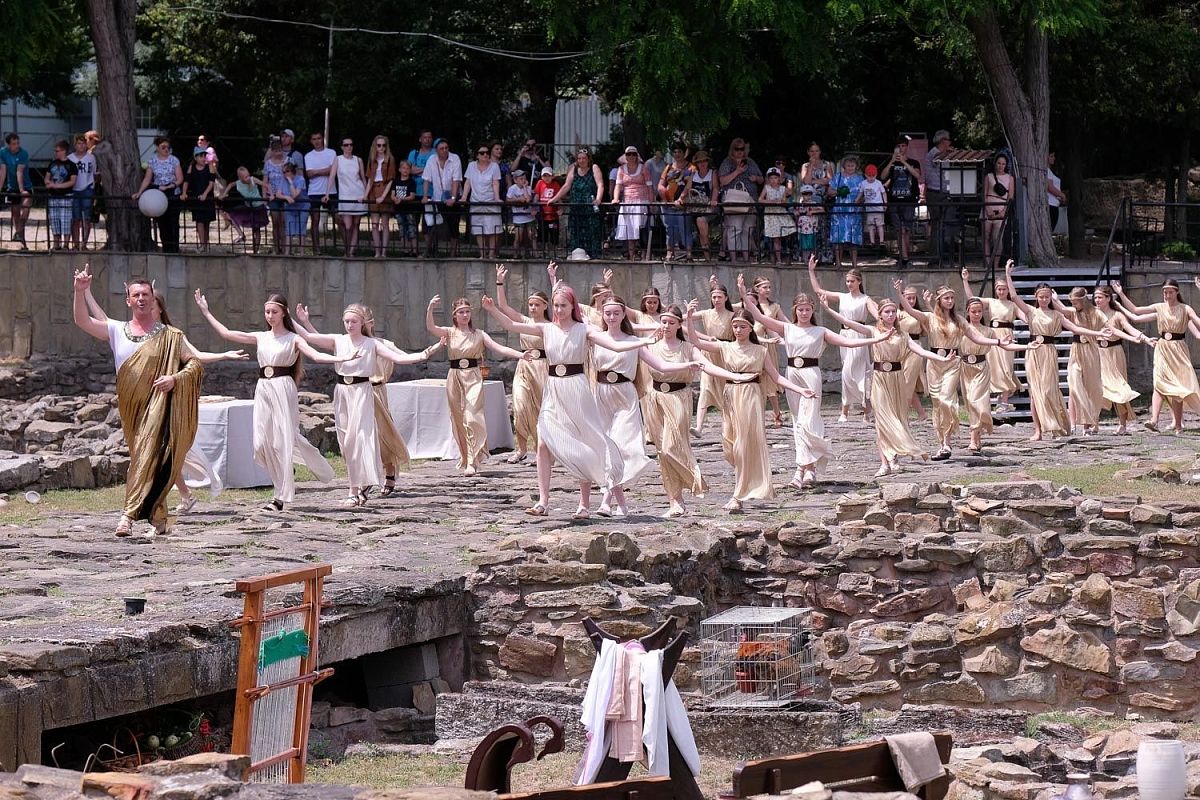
(902, 179)
(529, 158)
(739, 180)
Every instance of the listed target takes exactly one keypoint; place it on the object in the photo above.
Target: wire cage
(753, 658)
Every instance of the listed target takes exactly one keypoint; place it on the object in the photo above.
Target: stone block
(424, 698)
(578, 597)
(861, 691)
(1011, 490)
(912, 602)
(118, 689)
(1006, 527)
(43, 432)
(1137, 602)
(1034, 687)
(67, 472)
(963, 690)
(526, 654)
(18, 470)
(1062, 645)
(42, 657)
(991, 660)
(345, 715)
(227, 766)
(170, 677)
(563, 573)
(1000, 621)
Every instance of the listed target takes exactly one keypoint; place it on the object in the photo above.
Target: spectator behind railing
(406, 200)
(740, 180)
(164, 171)
(318, 170)
(350, 180)
(199, 186)
(672, 189)
(17, 184)
(584, 190)
(845, 223)
(59, 178)
(545, 190)
(481, 184)
(243, 201)
(442, 183)
(631, 192)
(902, 177)
(701, 198)
(82, 194)
(381, 175)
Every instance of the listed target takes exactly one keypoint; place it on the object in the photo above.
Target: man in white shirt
(318, 166)
(442, 185)
(83, 193)
(1054, 193)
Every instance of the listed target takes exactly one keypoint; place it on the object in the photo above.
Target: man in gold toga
(158, 392)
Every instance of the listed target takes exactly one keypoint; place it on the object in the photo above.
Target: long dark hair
(626, 327)
(279, 300)
(161, 302)
(542, 296)
(651, 292)
(745, 315)
(675, 311)
(721, 287)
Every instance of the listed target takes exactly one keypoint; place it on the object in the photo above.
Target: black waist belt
(1171, 336)
(667, 387)
(278, 372)
(378, 381)
(743, 383)
(564, 370)
(802, 362)
(1041, 339)
(887, 366)
(535, 354)
(1105, 343)
(974, 359)
(464, 363)
(914, 336)
(1000, 324)
(350, 380)
(1079, 340)
(610, 376)
(946, 351)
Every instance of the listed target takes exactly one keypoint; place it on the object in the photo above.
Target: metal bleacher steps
(1062, 279)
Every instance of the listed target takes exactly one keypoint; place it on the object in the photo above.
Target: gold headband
(275, 303)
(887, 301)
(675, 317)
(942, 292)
(612, 302)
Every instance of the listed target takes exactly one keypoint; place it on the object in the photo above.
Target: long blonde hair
(363, 313)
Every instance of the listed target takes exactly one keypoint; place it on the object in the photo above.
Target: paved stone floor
(62, 580)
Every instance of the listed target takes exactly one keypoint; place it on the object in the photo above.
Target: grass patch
(1188, 731)
(554, 771)
(1098, 480)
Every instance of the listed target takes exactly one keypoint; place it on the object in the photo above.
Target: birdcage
(754, 658)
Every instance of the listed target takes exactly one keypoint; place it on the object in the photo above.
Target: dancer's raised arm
(508, 323)
(1132, 306)
(241, 337)
(597, 336)
(707, 344)
(874, 336)
(816, 285)
(1023, 309)
(1079, 330)
(846, 322)
(310, 333)
(916, 347)
(436, 330)
(773, 371)
(398, 356)
(499, 349)
(502, 298)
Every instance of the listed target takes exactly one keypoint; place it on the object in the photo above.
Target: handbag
(735, 201)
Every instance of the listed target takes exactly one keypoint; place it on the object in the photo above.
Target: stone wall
(1009, 594)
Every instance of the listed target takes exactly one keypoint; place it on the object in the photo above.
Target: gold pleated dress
(464, 393)
(1001, 315)
(717, 323)
(743, 439)
(393, 450)
(943, 378)
(772, 310)
(890, 398)
(914, 365)
(975, 368)
(1041, 370)
(1174, 375)
(529, 382)
(278, 443)
(668, 417)
(808, 429)
(1114, 370)
(1084, 383)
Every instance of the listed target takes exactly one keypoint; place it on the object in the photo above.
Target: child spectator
(296, 212)
(808, 220)
(406, 200)
(83, 194)
(199, 184)
(547, 187)
(243, 202)
(777, 223)
(60, 180)
(874, 196)
(520, 196)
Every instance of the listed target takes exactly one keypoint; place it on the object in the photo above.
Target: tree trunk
(1025, 113)
(1181, 194)
(1073, 182)
(112, 24)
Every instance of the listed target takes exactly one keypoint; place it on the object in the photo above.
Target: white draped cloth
(278, 443)
(620, 411)
(664, 715)
(569, 422)
(856, 361)
(808, 429)
(354, 413)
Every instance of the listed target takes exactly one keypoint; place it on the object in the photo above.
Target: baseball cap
(871, 170)
(547, 171)
(773, 171)
(518, 173)
(289, 132)
(903, 138)
(632, 150)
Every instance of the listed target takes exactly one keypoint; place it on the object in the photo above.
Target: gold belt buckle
(612, 377)
(560, 370)
(268, 372)
(348, 379)
(463, 363)
(995, 323)
(664, 387)
(535, 353)
(887, 366)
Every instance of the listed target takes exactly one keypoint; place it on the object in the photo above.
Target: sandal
(515, 458)
(124, 527)
(186, 504)
(162, 528)
(389, 486)
(582, 513)
(275, 505)
(734, 506)
(536, 510)
(778, 419)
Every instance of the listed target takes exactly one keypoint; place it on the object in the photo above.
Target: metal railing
(253, 229)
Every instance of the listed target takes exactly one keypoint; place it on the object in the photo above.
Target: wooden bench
(634, 789)
(858, 767)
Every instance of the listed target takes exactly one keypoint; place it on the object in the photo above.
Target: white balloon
(152, 203)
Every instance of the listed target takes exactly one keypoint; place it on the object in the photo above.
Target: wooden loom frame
(249, 691)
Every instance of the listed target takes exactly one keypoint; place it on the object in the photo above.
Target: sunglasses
(380, 144)
(738, 149)
(347, 144)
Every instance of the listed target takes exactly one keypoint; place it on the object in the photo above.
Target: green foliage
(1178, 251)
(43, 42)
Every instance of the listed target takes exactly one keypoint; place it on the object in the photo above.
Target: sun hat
(579, 254)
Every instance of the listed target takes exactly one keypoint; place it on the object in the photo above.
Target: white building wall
(577, 122)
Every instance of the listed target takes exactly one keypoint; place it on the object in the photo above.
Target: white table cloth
(226, 437)
(423, 418)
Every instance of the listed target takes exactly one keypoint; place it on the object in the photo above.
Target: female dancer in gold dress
(804, 341)
(393, 450)
(1114, 372)
(529, 380)
(717, 327)
(1085, 383)
(893, 437)
(1000, 313)
(464, 381)
(761, 295)
(569, 430)
(854, 305)
(1174, 376)
(946, 331)
(743, 438)
(976, 368)
(1041, 364)
(914, 366)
